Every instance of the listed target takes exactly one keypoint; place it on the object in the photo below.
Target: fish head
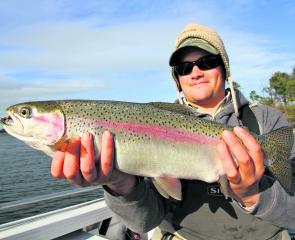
(35, 123)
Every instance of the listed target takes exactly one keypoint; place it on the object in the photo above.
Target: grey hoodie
(204, 213)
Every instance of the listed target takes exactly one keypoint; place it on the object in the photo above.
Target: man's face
(202, 87)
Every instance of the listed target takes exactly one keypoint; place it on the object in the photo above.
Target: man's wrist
(250, 201)
(122, 187)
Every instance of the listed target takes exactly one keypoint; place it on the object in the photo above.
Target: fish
(163, 141)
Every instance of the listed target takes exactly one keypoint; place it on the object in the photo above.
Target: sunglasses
(204, 63)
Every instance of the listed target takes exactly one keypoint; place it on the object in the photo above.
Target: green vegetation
(279, 94)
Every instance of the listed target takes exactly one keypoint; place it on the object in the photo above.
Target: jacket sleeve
(275, 205)
(141, 210)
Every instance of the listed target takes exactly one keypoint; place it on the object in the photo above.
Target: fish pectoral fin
(160, 190)
(168, 186)
(224, 187)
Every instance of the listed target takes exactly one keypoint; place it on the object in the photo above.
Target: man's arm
(275, 204)
(141, 210)
(242, 160)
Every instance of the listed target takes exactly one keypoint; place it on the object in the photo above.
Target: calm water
(25, 172)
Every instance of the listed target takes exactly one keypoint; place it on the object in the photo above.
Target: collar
(220, 105)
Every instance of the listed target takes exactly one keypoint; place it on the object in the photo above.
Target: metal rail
(62, 223)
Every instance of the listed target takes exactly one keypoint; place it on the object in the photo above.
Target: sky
(119, 50)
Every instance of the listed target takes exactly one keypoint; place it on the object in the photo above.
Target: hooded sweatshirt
(204, 213)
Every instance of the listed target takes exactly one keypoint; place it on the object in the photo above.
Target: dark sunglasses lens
(203, 63)
(208, 62)
(184, 68)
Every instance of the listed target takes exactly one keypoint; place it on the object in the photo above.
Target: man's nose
(196, 72)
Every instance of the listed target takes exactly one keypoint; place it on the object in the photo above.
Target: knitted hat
(195, 35)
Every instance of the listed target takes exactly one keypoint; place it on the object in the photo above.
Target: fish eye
(25, 112)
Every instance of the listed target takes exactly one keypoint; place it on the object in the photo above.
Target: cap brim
(191, 42)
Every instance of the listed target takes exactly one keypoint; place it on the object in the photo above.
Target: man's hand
(77, 163)
(242, 160)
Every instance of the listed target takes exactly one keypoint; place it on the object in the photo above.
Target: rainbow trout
(164, 141)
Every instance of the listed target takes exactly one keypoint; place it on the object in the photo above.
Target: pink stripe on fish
(156, 131)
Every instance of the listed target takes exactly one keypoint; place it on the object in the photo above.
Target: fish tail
(277, 146)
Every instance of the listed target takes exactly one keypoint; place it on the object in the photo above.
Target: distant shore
(2, 131)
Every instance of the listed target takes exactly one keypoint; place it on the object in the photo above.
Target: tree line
(280, 93)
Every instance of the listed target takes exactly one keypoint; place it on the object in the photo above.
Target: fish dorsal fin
(174, 107)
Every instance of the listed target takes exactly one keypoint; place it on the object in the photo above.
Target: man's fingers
(57, 162)
(243, 147)
(87, 158)
(71, 163)
(107, 155)
(228, 163)
(253, 147)
(240, 153)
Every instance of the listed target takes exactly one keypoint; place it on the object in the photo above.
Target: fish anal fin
(168, 186)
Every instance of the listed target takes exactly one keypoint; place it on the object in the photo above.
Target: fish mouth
(11, 122)
(8, 121)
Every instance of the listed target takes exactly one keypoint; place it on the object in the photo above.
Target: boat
(90, 220)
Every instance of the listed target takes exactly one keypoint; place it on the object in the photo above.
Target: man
(259, 208)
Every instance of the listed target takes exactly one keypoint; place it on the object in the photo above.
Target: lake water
(24, 173)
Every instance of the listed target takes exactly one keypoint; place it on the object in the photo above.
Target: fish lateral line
(156, 131)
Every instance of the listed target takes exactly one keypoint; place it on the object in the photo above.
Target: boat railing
(73, 222)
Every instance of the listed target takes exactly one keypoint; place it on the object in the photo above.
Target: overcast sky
(95, 49)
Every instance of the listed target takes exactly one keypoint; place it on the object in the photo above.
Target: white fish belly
(163, 158)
